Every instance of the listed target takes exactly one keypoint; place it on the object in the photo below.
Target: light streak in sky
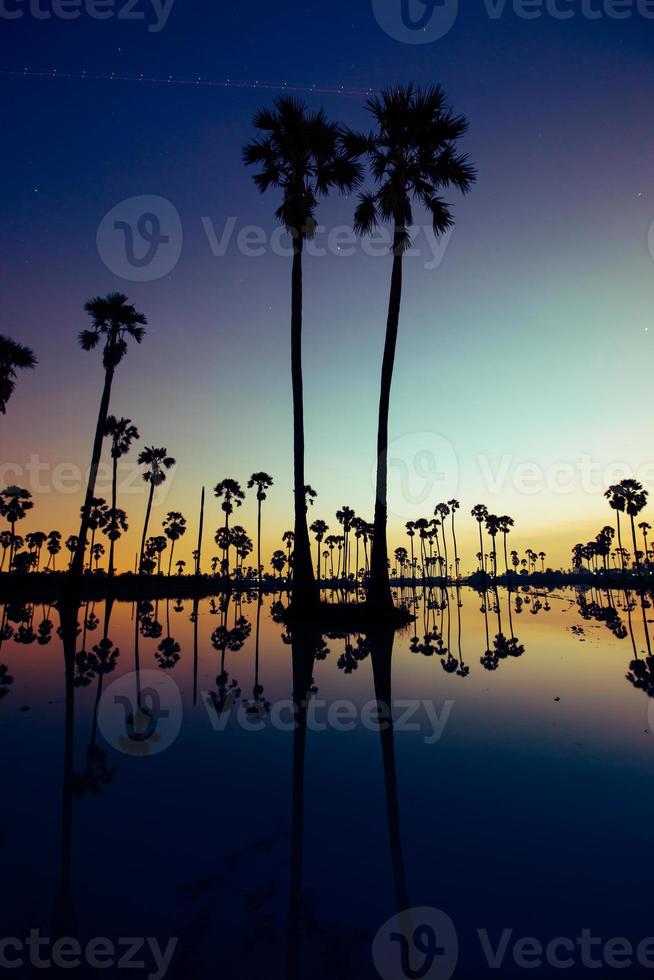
(342, 90)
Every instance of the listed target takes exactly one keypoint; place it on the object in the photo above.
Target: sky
(523, 371)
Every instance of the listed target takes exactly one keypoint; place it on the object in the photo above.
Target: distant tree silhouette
(232, 496)
(157, 462)
(412, 156)
(635, 499)
(480, 513)
(122, 433)
(645, 527)
(13, 356)
(113, 321)
(53, 548)
(506, 523)
(98, 519)
(71, 545)
(319, 529)
(616, 501)
(14, 505)
(299, 153)
(454, 505)
(174, 526)
(278, 561)
(35, 541)
(262, 481)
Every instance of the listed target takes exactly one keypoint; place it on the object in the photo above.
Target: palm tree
(319, 529)
(233, 496)
(645, 527)
(300, 153)
(53, 547)
(635, 499)
(157, 461)
(444, 511)
(181, 565)
(278, 561)
(493, 527)
(98, 519)
(480, 513)
(71, 545)
(542, 556)
(616, 501)
(454, 506)
(174, 526)
(116, 525)
(345, 517)
(506, 523)
(413, 156)
(14, 505)
(113, 321)
(262, 481)
(122, 433)
(97, 551)
(12, 356)
(35, 541)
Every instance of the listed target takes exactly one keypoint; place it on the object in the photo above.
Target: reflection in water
(240, 663)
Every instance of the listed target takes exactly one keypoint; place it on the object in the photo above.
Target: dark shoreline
(130, 587)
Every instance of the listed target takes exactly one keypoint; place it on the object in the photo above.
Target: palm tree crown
(12, 356)
(114, 319)
(157, 461)
(412, 157)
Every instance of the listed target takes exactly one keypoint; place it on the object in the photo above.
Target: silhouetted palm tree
(174, 526)
(454, 506)
(616, 501)
(14, 505)
(645, 527)
(157, 461)
(262, 481)
(53, 548)
(114, 320)
(71, 545)
(12, 356)
(232, 496)
(480, 513)
(319, 529)
(635, 499)
(300, 153)
(35, 541)
(412, 156)
(444, 511)
(122, 433)
(98, 519)
(506, 523)
(493, 528)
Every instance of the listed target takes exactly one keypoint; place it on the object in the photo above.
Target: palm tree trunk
(620, 540)
(305, 590)
(481, 550)
(633, 535)
(380, 587)
(78, 560)
(259, 541)
(456, 553)
(170, 560)
(13, 544)
(199, 558)
(318, 566)
(114, 482)
(145, 527)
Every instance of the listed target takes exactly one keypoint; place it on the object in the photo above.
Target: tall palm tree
(113, 321)
(454, 506)
(616, 501)
(635, 499)
(53, 548)
(443, 510)
(174, 526)
(122, 433)
(413, 156)
(157, 462)
(645, 527)
(262, 481)
(14, 505)
(506, 523)
(345, 516)
(301, 154)
(319, 529)
(480, 513)
(12, 356)
(232, 496)
(493, 528)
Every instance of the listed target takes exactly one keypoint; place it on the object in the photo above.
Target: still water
(165, 787)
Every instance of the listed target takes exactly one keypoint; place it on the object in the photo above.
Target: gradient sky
(531, 343)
